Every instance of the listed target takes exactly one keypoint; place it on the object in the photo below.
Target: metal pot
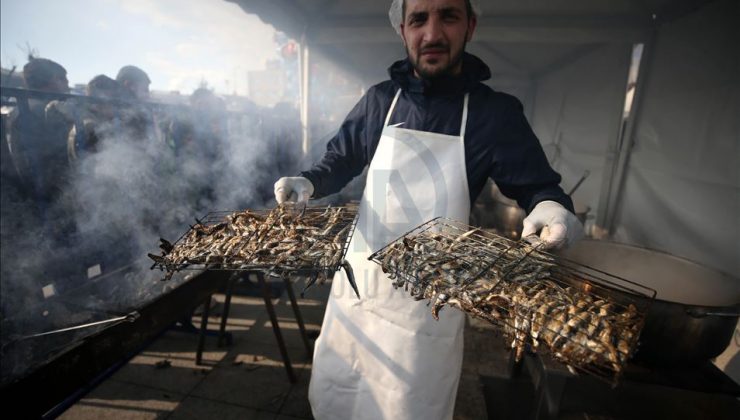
(493, 210)
(696, 309)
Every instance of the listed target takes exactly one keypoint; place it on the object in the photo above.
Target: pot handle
(585, 175)
(703, 312)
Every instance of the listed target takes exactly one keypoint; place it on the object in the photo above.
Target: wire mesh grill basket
(287, 240)
(588, 319)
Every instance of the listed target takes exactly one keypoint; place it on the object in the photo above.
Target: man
(32, 187)
(135, 81)
(98, 121)
(138, 121)
(36, 142)
(45, 75)
(432, 135)
(197, 139)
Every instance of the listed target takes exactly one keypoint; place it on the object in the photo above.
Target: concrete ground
(247, 380)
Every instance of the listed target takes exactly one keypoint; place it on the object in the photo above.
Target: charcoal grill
(43, 374)
(522, 289)
(259, 248)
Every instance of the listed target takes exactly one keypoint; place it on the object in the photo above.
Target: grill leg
(225, 315)
(276, 327)
(548, 398)
(549, 388)
(203, 328)
(514, 368)
(298, 316)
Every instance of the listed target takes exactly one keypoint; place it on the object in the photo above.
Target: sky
(179, 43)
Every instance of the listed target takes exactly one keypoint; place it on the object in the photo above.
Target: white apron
(383, 356)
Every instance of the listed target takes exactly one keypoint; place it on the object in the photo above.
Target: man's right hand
(295, 188)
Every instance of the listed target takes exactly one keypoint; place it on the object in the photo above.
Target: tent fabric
(577, 113)
(682, 187)
(567, 61)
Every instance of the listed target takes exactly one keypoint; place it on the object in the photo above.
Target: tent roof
(323, 18)
(357, 34)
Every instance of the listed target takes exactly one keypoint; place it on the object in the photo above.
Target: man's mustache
(436, 46)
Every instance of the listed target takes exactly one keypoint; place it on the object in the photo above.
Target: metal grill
(588, 319)
(287, 240)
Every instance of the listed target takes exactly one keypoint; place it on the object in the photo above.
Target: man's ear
(403, 35)
(472, 22)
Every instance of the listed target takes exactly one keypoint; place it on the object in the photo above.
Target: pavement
(247, 380)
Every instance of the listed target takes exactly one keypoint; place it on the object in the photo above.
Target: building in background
(279, 81)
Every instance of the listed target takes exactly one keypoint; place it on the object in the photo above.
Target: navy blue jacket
(499, 143)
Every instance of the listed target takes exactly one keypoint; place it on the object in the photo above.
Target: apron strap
(464, 116)
(393, 105)
(463, 124)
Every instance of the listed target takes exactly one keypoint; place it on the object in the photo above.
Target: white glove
(558, 227)
(294, 188)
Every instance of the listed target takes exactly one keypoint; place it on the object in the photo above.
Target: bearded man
(432, 135)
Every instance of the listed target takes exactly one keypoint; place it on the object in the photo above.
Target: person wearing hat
(138, 120)
(135, 81)
(37, 143)
(432, 135)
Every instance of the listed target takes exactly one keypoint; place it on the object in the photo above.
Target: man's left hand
(558, 227)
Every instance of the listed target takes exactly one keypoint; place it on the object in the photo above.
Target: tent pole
(618, 158)
(305, 86)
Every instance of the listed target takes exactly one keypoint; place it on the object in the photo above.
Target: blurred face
(140, 89)
(434, 33)
(60, 84)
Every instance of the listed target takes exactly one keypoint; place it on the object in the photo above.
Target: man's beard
(439, 72)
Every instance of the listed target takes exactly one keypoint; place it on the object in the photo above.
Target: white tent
(666, 173)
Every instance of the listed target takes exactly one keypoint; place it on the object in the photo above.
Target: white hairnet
(395, 13)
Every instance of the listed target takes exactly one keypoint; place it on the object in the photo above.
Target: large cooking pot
(493, 210)
(695, 311)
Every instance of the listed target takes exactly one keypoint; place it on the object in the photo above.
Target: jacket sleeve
(520, 167)
(346, 154)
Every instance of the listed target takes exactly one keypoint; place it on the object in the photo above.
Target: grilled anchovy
(538, 302)
(279, 242)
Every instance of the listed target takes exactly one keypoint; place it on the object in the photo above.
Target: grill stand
(298, 316)
(267, 296)
(549, 380)
(203, 328)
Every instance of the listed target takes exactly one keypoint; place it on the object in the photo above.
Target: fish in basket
(287, 240)
(583, 317)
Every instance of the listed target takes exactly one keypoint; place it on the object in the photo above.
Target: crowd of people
(92, 179)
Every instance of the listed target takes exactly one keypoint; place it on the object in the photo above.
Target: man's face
(434, 33)
(139, 88)
(60, 84)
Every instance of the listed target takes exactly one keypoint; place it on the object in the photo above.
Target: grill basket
(588, 319)
(284, 241)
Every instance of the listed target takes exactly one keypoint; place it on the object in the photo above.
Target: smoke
(133, 190)
(82, 257)
(87, 256)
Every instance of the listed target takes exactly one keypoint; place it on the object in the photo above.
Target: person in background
(98, 145)
(201, 131)
(432, 135)
(97, 121)
(139, 121)
(135, 82)
(196, 139)
(209, 122)
(33, 184)
(36, 144)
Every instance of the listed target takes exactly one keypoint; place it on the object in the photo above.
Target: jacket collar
(473, 72)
